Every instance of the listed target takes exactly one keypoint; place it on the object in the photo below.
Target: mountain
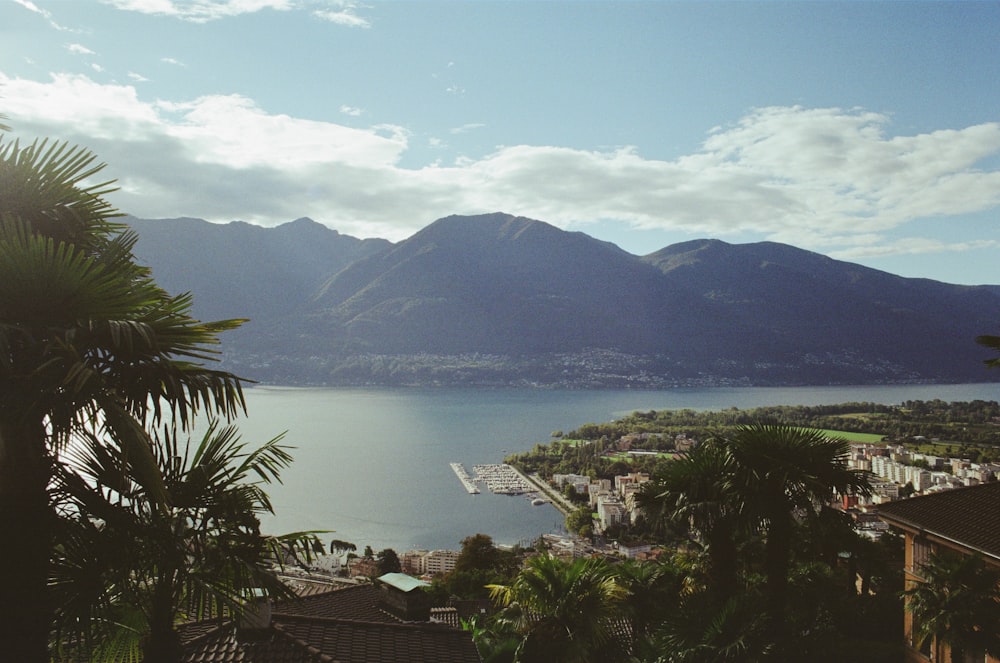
(495, 284)
(238, 270)
(503, 300)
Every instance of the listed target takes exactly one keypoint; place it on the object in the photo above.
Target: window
(921, 554)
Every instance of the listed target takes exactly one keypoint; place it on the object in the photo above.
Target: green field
(867, 438)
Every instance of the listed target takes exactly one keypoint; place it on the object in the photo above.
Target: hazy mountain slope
(498, 299)
(795, 303)
(242, 270)
(494, 283)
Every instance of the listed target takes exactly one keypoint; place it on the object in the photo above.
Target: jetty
(464, 477)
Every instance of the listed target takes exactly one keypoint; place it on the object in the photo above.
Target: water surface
(373, 464)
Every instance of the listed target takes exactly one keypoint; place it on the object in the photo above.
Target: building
(441, 561)
(424, 562)
(964, 520)
(579, 482)
(611, 511)
(365, 623)
(362, 567)
(414, 562)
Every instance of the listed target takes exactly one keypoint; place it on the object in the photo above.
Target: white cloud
(352, 111)
(912, 246)
(345, 17)
(79, 49)
(466, 128)
(199, 11)
(173, 61)
(138, 78)
(341, 12)
(47, 15)
(817, 178)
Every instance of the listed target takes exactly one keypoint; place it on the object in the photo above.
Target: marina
(502, 479)
(464, 477)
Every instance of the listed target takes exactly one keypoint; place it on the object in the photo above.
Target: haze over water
(372, 464)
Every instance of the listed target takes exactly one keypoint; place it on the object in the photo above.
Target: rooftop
(340, 626)
(966, 516)
(403, 582)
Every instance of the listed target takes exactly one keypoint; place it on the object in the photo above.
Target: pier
(464, 477)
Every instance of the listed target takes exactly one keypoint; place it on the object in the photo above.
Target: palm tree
(778, 470)
(706, 630)
(958, 604)
(692, 494)
(651, 592)
(125, 581)
(565, 612)
(85, 335)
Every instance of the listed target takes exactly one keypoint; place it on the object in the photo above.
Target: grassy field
(867, 438)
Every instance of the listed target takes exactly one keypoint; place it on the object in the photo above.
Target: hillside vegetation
(964, 429)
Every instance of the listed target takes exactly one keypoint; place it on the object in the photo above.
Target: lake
(373, 464)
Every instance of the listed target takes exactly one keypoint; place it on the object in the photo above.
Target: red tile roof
(966, 516)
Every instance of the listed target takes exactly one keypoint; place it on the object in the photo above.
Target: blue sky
(866, 131)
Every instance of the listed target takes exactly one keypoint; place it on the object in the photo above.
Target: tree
(777, 470)
(580, 521)
(85, 335)
(339, 547)
(703, 630)
(958, 604)
(651, 592)
(388, 562)
(478, 554)
(128, 568)
(693, 492)
(562, 611)
(992, 342)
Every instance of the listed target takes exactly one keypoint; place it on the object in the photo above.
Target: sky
(865, 131)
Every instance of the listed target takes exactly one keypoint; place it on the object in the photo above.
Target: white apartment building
(611, 511)
(441, 561)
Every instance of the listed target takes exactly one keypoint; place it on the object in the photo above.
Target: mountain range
(494, 300)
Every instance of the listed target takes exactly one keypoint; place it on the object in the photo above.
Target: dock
(464, 477)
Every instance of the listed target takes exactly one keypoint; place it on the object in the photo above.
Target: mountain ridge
(497, 299)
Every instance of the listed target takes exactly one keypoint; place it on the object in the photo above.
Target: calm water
(372, 464)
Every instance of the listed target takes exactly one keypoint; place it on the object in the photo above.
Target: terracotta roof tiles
(967, 516)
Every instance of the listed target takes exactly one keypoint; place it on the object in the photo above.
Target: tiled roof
(309, 586)
(340, 626)
(447, 616)
(367, 642)
(222, 645)
(968, 516)
(358, 602)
